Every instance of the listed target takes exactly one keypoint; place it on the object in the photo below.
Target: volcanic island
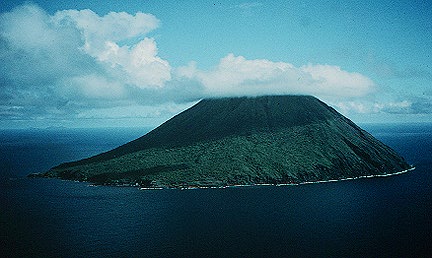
(221, 142)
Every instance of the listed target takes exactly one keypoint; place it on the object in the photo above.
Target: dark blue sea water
(377, 217)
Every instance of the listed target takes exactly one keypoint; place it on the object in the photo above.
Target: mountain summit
(232, 141)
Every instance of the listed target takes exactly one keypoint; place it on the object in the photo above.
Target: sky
(137, 63)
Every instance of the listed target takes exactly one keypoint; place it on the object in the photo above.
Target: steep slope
(213, 119)
(271, 139)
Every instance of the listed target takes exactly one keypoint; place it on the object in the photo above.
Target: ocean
(374, 217)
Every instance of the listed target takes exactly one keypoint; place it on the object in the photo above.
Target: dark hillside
(213, 119)
(228, 141)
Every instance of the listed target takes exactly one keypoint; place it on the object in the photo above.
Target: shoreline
(136, 185)
(278, 185)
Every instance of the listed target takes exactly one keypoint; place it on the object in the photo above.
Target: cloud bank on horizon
(81, 65)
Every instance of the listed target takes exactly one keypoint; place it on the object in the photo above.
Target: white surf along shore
(303, 183)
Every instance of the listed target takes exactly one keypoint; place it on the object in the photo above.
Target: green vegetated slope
(229, 141)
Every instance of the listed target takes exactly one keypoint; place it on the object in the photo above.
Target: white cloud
(42, 51)
(80, 64)
(103, 35)
(328, 79)
(236, 76)
(370, 107)
(113, 26)
(139, 64)
(35, 50)
(64, 64)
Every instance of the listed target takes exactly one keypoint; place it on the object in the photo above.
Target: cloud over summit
(238, 76)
